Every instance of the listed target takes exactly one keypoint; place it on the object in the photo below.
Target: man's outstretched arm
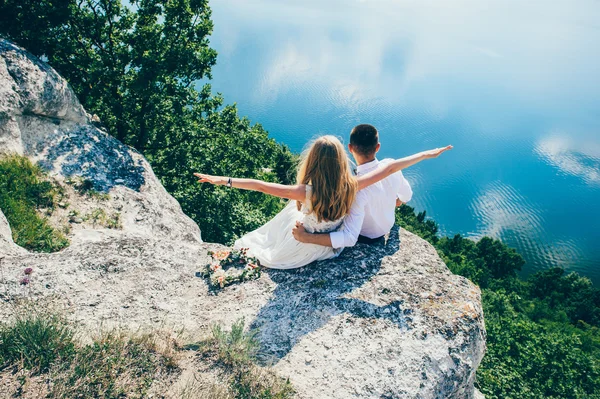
(396, 165)
(346, 237)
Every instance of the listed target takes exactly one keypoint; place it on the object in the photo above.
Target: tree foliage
(232, 148)
(574, 294)
(528, 359)
(138, 66)
(132, 66)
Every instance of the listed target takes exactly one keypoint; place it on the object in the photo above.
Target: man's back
(380, 200)
(372, 213)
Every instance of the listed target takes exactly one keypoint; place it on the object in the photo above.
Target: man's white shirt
(373, 211)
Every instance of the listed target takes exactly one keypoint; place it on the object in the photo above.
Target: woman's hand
(216, 180)
(296, 192)
(436, 152)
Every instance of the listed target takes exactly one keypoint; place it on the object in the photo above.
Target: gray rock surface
(376, 322)
(34, 100)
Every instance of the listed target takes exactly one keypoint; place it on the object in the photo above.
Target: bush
(23, 191)
(230, 349)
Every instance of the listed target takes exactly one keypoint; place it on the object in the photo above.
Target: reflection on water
(572, 158)
(513, 85)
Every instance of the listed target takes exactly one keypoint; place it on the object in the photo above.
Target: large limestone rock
(377, 322)
(41, 118)
(34, 100)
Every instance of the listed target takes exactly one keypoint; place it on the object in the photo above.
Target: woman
(322, 197)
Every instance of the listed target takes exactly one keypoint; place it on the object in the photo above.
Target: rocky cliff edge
(387, 322)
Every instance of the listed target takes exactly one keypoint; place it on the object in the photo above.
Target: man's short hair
(364, 139)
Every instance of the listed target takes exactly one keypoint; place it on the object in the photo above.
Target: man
(373, 213)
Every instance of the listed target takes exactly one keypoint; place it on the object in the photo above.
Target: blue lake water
(513, 85)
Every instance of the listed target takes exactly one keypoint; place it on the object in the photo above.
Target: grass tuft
(121, 365)
(258, 383)
(235, 351)
(236, 347)
(36, 341)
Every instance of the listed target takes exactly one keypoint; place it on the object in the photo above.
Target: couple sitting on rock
(330, 208)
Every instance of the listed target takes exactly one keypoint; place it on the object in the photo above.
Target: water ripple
(500, 208)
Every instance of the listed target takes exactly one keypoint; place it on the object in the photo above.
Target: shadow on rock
(306, 298)
(105, 161)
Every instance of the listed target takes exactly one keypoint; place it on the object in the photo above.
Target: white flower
(219, 272)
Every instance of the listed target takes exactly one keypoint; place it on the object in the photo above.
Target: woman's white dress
(274, 245)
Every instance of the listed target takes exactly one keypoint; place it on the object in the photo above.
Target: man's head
(364, 143)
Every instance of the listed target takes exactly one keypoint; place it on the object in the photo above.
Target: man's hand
(398, 202)
(299, 232)
(437, 152)
(301, 235)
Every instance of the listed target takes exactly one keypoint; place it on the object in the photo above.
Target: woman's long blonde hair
(325, 167)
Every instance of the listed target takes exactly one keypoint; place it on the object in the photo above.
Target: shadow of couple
(307, 298)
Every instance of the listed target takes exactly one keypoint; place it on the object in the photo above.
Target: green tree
(461, 256)
(135, 67)
(573, 294)
(417, 223)
(501, 260)
(525, 359)
(232, 147)
(32, 23)
(138, 67)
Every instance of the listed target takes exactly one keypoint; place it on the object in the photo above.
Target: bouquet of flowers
(230, 267)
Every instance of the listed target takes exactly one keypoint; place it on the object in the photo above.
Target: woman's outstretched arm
(296, 192)
(397, 165)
